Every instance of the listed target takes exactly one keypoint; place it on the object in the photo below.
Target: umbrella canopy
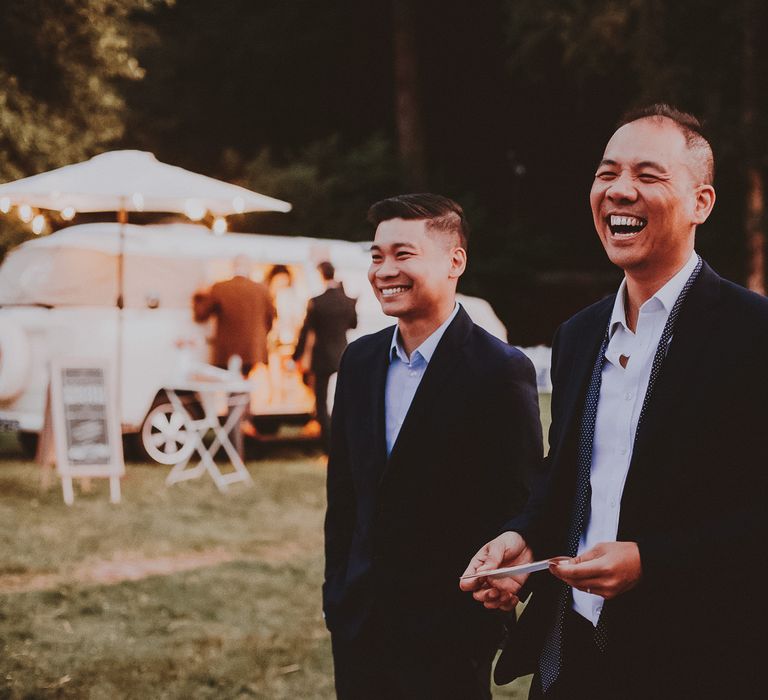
(135, 181)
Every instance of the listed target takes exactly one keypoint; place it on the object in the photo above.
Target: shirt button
(411, 373)
(628, 396)
(623, 451)
(613, 503)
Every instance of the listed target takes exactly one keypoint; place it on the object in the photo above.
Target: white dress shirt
(622, 393)
(404, 376)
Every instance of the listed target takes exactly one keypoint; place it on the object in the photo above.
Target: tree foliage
(618, 54)
(331, 184)
(60, 64)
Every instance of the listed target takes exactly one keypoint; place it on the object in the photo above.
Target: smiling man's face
(413, 271)
(647, 198)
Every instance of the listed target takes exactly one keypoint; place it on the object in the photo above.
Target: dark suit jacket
(694, 501)
(329, 316)
(244, 315)
(461, 464)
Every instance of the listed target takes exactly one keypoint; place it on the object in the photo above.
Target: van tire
(15, 360)
(160, 419)
(28, 442)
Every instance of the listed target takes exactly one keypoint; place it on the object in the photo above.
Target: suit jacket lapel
(433, 383)
(680, 372)
(579, 372)
(378, 379)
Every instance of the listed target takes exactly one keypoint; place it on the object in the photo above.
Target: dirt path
(134, 567)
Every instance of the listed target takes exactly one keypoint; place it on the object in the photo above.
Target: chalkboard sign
(85, 426)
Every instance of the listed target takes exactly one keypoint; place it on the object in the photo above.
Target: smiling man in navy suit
(435, 437)
(658, 459)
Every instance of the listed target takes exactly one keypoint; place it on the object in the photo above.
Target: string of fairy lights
(40, 223)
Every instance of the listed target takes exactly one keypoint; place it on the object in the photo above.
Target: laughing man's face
(412, 270)
(645, 199)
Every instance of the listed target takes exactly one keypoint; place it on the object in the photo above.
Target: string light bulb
(138, 201)
(219, 226)
(194, 210)
(5, 205)
(38, 224)
(25, 213)
(68, 213)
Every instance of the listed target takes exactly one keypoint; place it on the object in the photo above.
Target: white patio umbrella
(132, 181)
(135, 181)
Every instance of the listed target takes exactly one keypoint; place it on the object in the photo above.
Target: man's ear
(458, 263)
(705, 200)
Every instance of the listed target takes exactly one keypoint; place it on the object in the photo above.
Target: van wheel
(166, 436)
(28, 442)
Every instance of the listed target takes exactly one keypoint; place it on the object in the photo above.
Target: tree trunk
(755, 199)
(410, 134)
(755, 203)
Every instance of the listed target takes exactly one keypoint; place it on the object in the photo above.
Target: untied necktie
(551, 661)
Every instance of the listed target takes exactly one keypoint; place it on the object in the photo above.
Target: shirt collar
(427, 348)
(664, 298)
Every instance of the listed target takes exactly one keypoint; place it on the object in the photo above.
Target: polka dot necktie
(551, 661)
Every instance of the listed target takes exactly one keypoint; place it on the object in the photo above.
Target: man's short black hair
(692, 129)
(440, 213)
(326, 270)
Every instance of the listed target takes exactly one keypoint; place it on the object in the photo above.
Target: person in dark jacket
(658, 460)
(329, 317)
(435, 436)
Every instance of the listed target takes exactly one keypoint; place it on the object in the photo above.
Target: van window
(54, 276)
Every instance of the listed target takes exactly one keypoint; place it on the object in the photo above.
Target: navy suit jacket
(329, 316)
(695, 501)
(459, 469)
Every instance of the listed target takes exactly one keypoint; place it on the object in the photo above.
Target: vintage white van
(58, 298)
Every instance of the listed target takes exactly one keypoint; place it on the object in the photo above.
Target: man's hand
(607, 570)
(508, 549)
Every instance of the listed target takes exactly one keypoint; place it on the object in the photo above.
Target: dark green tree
(61, 65)
(702, 55)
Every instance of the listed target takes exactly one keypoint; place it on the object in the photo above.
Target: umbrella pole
(122, 218)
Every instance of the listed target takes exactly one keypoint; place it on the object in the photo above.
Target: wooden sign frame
(86, 431)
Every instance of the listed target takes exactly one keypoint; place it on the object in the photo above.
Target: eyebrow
(395, 246)
(641, 164)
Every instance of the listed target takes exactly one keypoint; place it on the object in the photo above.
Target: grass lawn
(178, 592)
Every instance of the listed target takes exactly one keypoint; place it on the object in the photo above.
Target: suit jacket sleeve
(530, 523)
(518, 430)
(305, 328)
(340, 515)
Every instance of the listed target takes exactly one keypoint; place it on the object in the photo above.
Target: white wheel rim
(166, 436)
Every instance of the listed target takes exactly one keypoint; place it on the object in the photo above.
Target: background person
(328, 318)
(658, 477)
(244, 313)
(425, 413)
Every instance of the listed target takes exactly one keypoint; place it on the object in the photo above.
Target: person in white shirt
(658, 462)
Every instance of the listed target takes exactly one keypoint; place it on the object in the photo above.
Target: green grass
(247, 625)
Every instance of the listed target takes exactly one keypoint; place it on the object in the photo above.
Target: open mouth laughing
(389, 292)
(625, 227)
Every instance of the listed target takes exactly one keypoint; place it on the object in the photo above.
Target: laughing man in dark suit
(435, 434)
(658, 456)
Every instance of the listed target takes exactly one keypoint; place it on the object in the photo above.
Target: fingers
(493, 599)
(606, 570)
(487, 558)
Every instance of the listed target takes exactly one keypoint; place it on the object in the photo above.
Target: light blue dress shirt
(404, 376)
